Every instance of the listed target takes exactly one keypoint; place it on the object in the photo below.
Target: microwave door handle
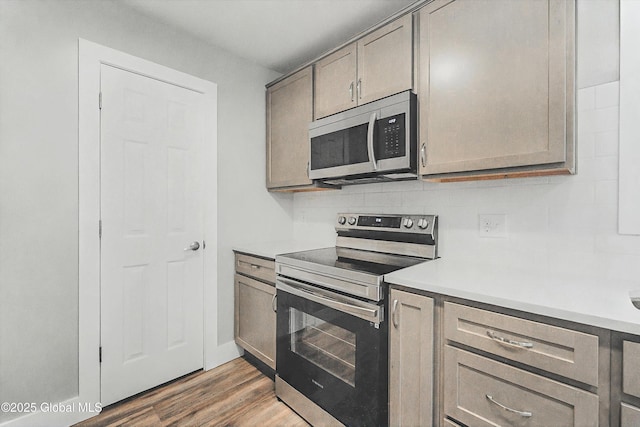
(372, 154)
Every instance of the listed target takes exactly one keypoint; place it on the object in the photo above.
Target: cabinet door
(495, 83)
(289, 112)
(631, 368)
(410, 360)
(335, 79)
(385, 61)
(629, 416)
(255, 318)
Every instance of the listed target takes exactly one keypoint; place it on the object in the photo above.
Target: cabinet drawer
(482, 392)
(631, 368)
(450, 423)
(565, 352)
(629, 416)
(259, 268)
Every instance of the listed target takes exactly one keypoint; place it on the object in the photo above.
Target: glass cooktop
(352, 260)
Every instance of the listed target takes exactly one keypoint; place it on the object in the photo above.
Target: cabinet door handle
(359, 88)
(525, 414)
(394, 312)
(308, 166)
(274, 306)
(502, 340)
(423, 154)
(351, 91)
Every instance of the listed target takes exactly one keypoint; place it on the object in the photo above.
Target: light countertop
(581, 298)
(271, 249)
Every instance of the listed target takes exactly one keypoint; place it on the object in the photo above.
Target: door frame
(90, 58)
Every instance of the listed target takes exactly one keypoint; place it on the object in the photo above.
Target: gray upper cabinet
(496, 85)
(289, 112)
(335, 81)
(377, 65)
(385, 61)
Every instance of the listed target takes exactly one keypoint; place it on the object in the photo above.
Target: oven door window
(324, 344)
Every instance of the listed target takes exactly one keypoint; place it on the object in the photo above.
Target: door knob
(193, 247)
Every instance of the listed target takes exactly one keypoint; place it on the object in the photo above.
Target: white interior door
(151, 210)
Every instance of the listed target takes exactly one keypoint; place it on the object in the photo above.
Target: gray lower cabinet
(255, 317)
(410, 359)
(496, 88)
(503, 370)
(480, 390)
(625, 382)
(455, 362)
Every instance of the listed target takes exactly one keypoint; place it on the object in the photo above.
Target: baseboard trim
(222, 354)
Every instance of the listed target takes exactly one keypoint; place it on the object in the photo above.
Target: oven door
(333, 349)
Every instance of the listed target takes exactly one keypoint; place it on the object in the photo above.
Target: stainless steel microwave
(372, 142)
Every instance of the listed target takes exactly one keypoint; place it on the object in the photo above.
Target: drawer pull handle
(255, 267)
(524, 414)
(519, 344)
(394, 312)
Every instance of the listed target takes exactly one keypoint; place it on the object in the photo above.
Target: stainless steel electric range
(332, 317)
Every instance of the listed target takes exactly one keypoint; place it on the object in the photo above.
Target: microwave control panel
(391, 131)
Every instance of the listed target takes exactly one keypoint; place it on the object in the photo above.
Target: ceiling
(278, 34)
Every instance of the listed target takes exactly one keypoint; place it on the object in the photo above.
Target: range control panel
(387, 222)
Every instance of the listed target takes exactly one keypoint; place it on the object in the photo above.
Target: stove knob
(342, 220)
(408, 223)
(352, 220)
(423, 223)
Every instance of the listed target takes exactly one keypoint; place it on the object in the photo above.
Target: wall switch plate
(492, 225)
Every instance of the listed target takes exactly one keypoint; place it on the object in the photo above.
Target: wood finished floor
(234, 394)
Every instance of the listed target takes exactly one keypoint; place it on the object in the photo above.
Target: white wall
(39, 175)
(561, 223)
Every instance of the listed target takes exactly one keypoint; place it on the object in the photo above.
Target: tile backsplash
(565, 224)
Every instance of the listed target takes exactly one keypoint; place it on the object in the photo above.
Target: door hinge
(100, 100)
(100, 229)
(100, 354)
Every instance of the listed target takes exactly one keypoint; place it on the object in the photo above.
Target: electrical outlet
(492, 225)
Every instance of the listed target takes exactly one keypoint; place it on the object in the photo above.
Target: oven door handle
(295, 288)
